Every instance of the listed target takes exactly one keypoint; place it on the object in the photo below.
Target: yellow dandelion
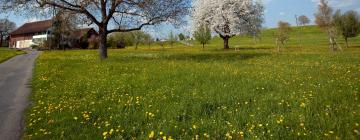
(152, 134)
(302, 124)
(206, 135)
(357, 132)
(302, 104)
(228, 136)
(111, 131)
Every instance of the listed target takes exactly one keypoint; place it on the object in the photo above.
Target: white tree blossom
(229, 17)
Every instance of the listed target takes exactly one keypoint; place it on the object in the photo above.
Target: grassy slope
(310, 36)
(184, 92)
(6, 54)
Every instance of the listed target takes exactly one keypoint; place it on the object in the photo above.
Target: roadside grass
(190, 93)
(6, 54)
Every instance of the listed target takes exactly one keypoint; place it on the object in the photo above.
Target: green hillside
(310, 36)
(184, 93)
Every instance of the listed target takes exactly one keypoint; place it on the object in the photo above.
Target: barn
(35, 33)
(30, 34)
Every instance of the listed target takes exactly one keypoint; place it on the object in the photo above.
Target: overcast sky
(275, 10)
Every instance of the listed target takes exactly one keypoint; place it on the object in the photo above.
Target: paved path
(15, 76)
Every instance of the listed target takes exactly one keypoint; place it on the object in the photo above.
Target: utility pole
(298, 33)
(52, 28)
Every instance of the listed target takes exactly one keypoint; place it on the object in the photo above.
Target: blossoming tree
(229, 17)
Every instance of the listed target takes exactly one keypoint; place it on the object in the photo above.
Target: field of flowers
(185, 93)
(6, 53)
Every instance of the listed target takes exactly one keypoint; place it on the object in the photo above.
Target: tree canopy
(324, 19)
(228, 17)
(347, 24)
(303, 20)
(114, 15)
(203, 34)
(5, 27)
(283, 33)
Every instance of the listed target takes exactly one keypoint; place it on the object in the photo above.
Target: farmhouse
(35, 33)
(30, 34)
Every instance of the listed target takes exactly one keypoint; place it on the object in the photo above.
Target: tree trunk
(226, 42)
(332, 44)
(277, 45)
(102, 48)
(346, 42)
(203, 46)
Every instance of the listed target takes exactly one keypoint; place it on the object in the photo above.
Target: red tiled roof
(33, 27)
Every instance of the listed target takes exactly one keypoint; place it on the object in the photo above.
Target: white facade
(39, 39)
(23, 44)
(36, 40)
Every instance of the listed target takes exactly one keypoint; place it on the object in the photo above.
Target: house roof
(33, 27)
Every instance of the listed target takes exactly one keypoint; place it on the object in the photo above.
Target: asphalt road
(15, 78)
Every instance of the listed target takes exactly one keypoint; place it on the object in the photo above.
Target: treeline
(134, 38)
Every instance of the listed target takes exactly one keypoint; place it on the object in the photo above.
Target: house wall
(20, 41)
(25, 41)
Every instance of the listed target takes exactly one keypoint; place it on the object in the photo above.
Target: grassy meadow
(185, 93)
(6, 53)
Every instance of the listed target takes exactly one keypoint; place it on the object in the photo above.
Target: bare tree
(5, 27)
(303, 20)
(348, 24)
(282, 35)
(64, 23)
(172, 39)
(132, 14)
(324, 19)
(148, 39)
(139, 37)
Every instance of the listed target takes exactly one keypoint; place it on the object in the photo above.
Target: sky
(275, 11)
(285, 10)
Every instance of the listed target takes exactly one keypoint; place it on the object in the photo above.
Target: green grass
(311, 37)
(187, 92)
(6, 53)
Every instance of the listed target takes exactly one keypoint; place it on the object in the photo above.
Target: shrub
(34, 46)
